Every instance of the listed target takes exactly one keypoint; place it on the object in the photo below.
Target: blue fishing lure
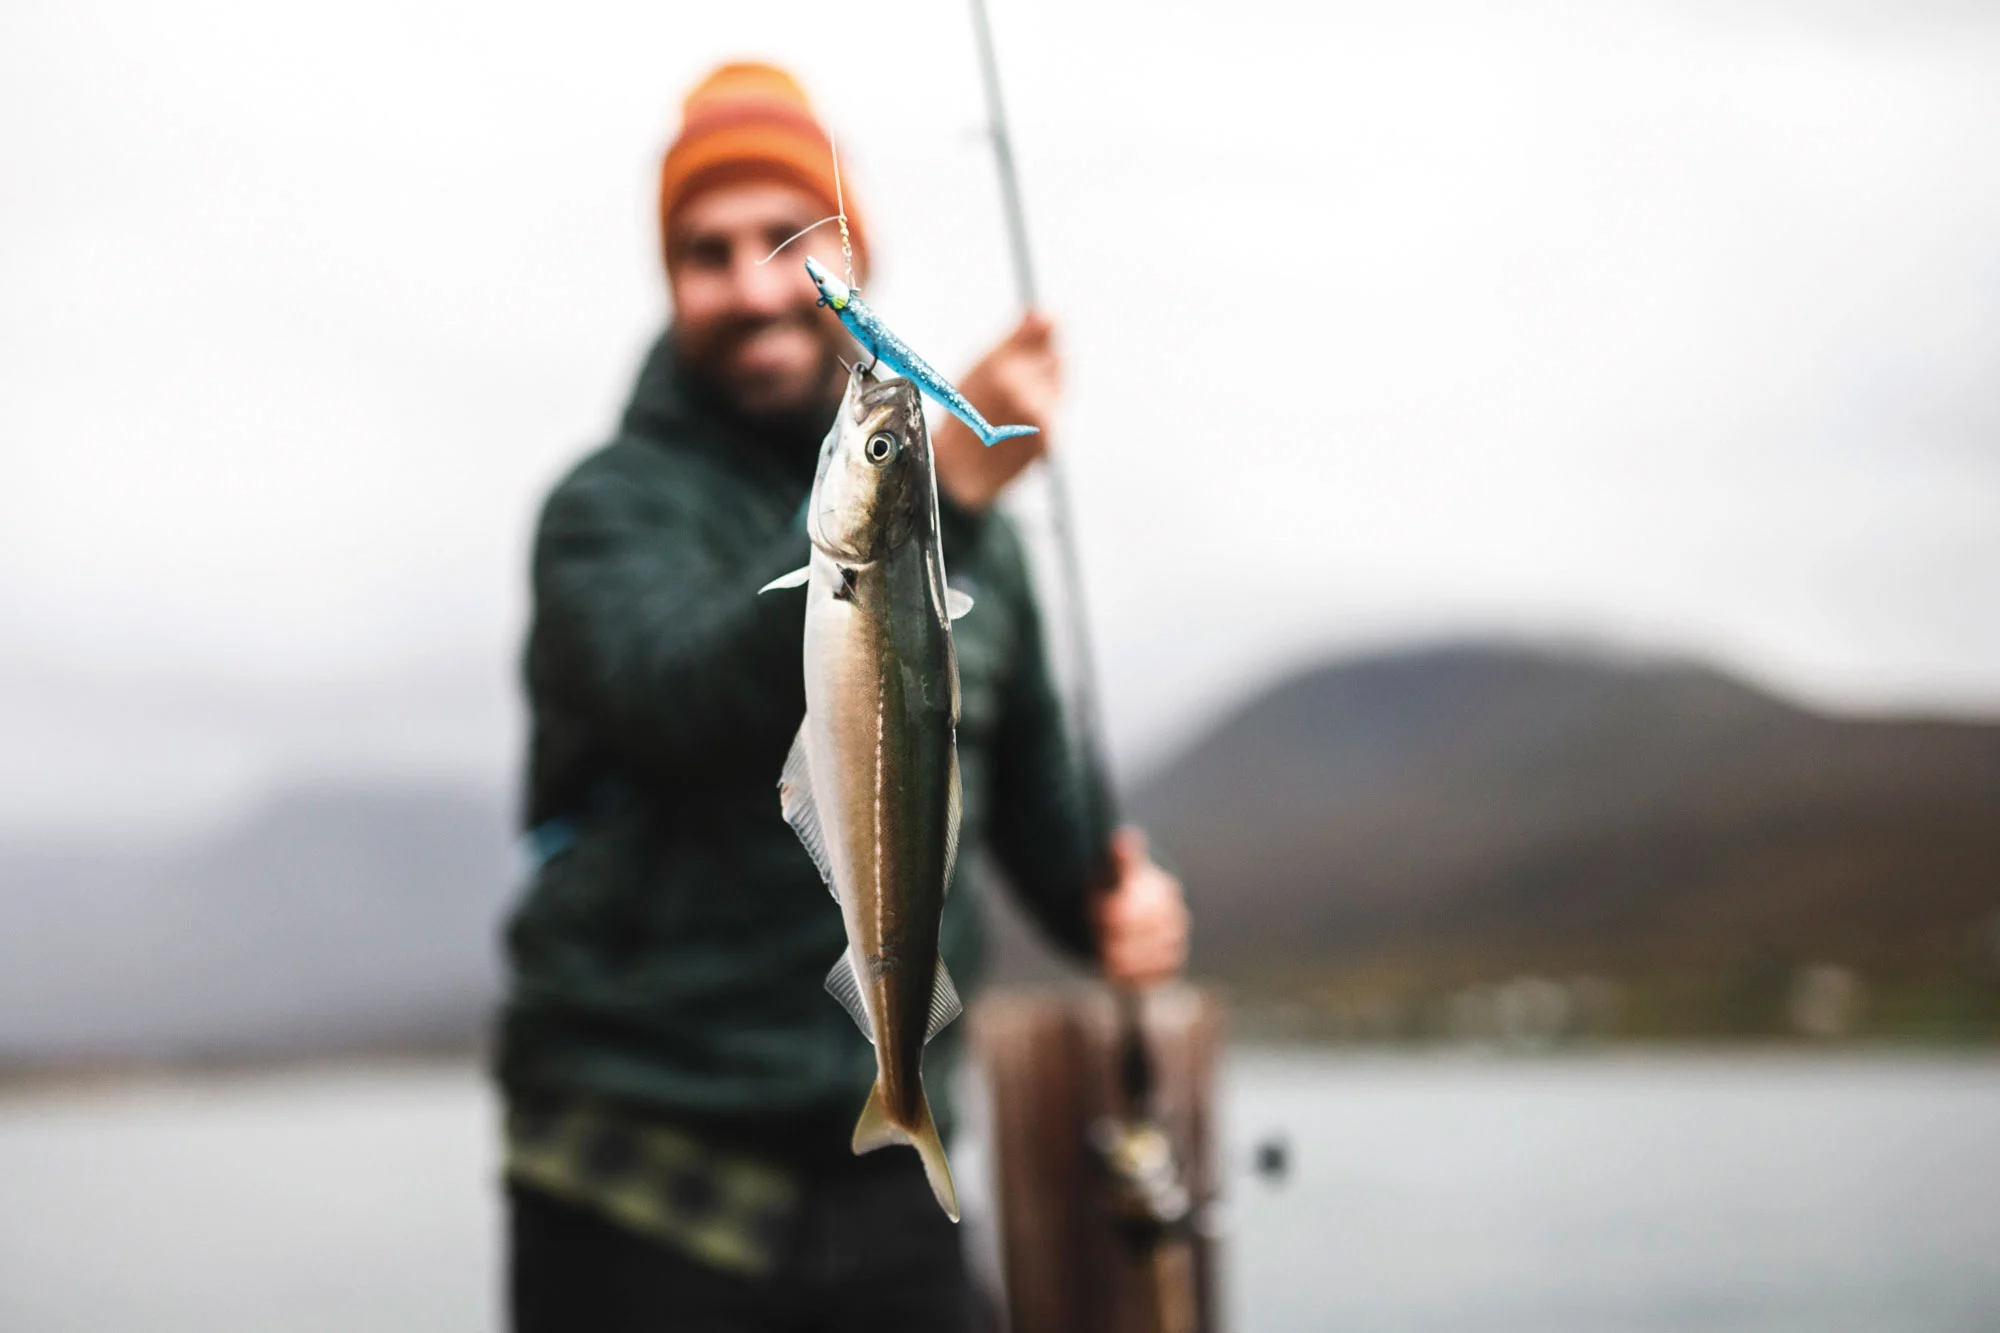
(885, 347)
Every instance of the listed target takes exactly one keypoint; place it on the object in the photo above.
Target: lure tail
(877, 1129)
(992, 435)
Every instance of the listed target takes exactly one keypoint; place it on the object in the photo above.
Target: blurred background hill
(331, 917)
(1361, 840)
(1465, 813)
(1494, 798)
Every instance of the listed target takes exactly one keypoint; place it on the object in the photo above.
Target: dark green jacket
(669, 954)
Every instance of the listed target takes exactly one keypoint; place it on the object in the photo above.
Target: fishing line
(802, 231)
(840, 203)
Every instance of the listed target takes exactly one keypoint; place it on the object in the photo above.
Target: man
(680, 1090)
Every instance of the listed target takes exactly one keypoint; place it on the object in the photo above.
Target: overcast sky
(1671, 325)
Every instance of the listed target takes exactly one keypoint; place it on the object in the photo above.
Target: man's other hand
(1016, 384)
(1142, 919)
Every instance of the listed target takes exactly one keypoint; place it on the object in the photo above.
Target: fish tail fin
(877, 1129)
(992, 435)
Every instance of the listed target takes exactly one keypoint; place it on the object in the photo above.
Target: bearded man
(680, 1089)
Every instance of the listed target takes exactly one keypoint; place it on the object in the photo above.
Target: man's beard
(783, 400)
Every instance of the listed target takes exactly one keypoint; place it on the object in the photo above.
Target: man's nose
(765, 289)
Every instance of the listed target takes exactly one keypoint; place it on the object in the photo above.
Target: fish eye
(880, 448)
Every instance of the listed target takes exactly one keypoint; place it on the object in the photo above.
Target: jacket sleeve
(1042, 829)
(668, 656)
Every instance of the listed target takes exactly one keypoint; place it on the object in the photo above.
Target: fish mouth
(895, 391)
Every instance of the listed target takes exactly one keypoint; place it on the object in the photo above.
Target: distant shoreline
(23, 1084)
(60, 1077)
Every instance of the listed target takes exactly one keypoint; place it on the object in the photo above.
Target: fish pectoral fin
(945, 1004)
(956, 603)
(795, 799)
(878, 1129)
(796, 579)
(843, 985)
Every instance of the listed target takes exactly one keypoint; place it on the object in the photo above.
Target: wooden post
(1051, 1064)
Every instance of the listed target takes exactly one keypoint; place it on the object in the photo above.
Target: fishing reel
(1148, 1196)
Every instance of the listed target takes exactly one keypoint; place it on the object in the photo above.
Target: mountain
(332, 916)
(1458, 815)
(1481, 808)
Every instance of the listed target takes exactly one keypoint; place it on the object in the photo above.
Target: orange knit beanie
(748, 121)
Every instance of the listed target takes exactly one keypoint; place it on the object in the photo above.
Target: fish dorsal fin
(795, 798)
(843, 985)
(796, 579)
(956, 603)
(945, 1004)
(954, 807)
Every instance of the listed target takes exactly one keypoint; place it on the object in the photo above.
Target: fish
(885, 347)
(871, 785)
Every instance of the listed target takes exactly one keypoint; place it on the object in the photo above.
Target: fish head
(874, 487)
(832, 291)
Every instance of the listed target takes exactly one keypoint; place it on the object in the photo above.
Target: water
(1446, 1194)
(1429, 1194)
(325, 1202)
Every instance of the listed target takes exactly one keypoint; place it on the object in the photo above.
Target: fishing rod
(1089, 723)
(1100, 803)
(1152, 1198)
